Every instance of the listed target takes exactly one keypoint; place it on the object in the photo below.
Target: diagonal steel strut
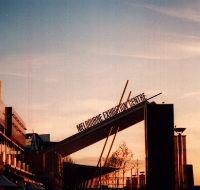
(120, 101)
(110, 131)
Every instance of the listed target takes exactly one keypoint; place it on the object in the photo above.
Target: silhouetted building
(142, 180)
(183, 171)
(45, 137)
(159, 143)
(128, 183)
(134, 182)
(165, 153)
(188, 177)
(34, 142)
(180, 157)
(12, 147)
(48, 165)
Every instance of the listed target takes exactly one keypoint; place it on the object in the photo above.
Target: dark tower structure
(159, 143)
(142, 180)
(183, 171)
(188, 177)
(134, 182)
(180, 157)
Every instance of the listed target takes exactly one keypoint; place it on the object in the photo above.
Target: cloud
(168, 48)
(21, 75)
(189, 12)
(48, 80)
(144, 56)
(191, 94)
(140, 54)
(51, 80)
(61, 119)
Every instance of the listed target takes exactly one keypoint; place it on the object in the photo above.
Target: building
(184, 179)
(32, 159)
(142, 182)
(47, 165)
(134, 182)
(12, 147)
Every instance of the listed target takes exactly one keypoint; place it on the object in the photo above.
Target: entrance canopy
(100, 131)
(74, 174)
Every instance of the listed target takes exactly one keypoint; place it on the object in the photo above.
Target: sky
(64, 61)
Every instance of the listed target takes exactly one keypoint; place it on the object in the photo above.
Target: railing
(8, 159)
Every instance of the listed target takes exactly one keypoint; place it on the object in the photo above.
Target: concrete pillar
(159, 145)
(189, 178)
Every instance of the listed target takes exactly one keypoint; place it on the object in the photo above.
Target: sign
(111, 112)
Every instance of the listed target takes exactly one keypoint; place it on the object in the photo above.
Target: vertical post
(176, 162)
(159, 145)
(180, 161)
(180, 158)
(131, 179)
(100, 174)
(137, 174)
(8, 121)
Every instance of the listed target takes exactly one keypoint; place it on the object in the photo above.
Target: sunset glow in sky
(64, 61)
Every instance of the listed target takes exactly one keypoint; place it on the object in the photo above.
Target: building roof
(76, 173)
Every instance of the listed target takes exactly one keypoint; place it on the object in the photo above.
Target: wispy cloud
(21, 75)
(191, 94)
(168, 48)
(64, 116)
(144, 56)
(48, 80)
(189, 13)
(167, 55)
(51, 80)
(184, 10)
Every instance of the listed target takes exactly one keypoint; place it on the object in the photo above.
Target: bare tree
(122, 158)
(68, 159)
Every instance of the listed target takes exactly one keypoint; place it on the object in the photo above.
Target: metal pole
(114, 135)
(154, 96)
(137, 175)
(117, 127)
(131, 179)
(112, 127)
(124, 90)
(111, 146)
(129, 95)
(100, 174)
(104, 147)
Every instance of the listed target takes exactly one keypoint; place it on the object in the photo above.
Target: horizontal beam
(94, 134)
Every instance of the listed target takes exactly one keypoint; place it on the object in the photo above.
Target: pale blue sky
(64, 61)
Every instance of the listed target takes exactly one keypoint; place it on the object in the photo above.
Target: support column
(159, 144)
(8, 121)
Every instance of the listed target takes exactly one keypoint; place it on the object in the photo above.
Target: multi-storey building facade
(12, 147)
